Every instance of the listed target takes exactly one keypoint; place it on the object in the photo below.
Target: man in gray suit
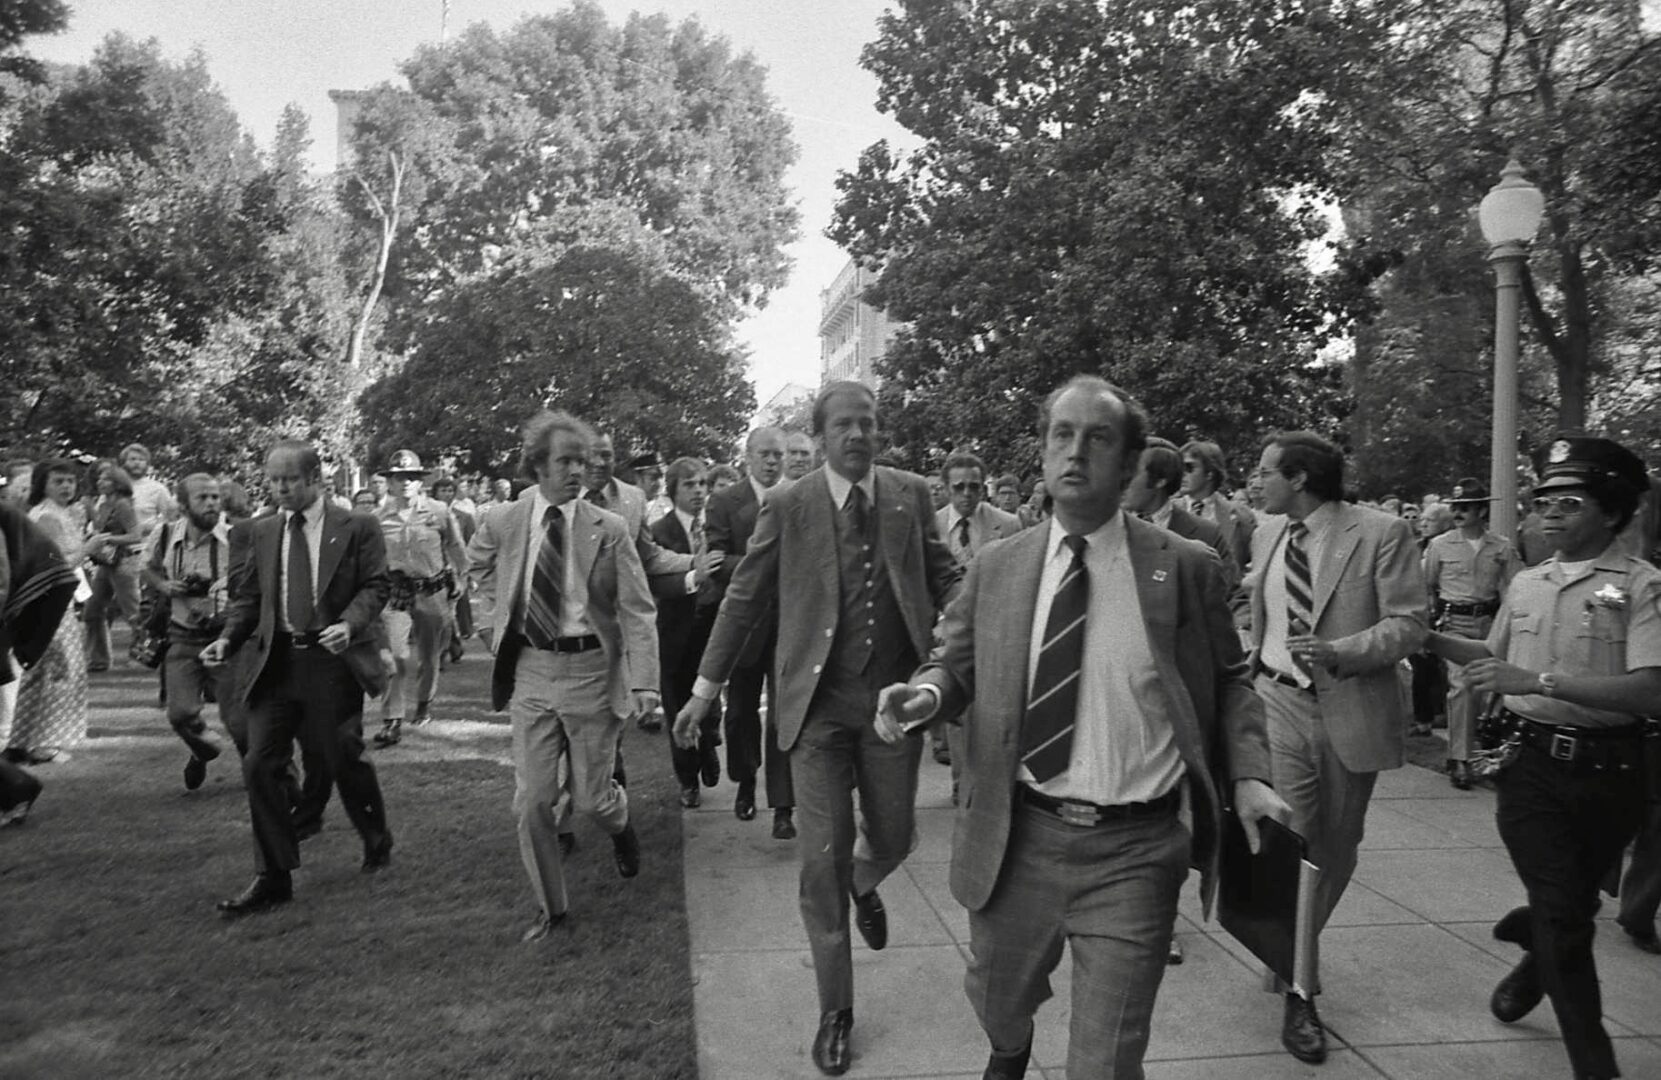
(566, 609)
(1338, 599)
(853, 552)
(1106, 676)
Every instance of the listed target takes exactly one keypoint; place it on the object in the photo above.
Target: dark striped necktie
(542, 609)
(1052, 704)
(1300, 588)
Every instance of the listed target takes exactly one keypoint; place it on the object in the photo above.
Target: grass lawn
(114, 963)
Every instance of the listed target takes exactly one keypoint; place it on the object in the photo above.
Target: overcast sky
(267, 53)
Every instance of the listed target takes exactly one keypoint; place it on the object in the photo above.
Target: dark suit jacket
(1204, 689)
(729, 520)
(352, 587)
(682, 625)
(792, 557)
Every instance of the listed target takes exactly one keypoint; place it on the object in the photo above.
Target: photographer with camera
(188, 567)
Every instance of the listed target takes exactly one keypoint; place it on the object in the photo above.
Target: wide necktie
(1300, 587)
(1052, 703)
(302, 610)
(855, 511)
(697, 534)
(547, 579)
(963, 534)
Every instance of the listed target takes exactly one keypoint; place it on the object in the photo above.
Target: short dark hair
(724, 472)
(538, 435)
(311, 464)
(1320, 461)
(1136, 417)
(233, 500)
(1163, 461)
(821, 401)
(1009, 480)
(1211, 460)
(43, 471)
(682, 468)
(443, 482)
(963, 460)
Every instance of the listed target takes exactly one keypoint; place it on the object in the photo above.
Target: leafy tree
(20, 19)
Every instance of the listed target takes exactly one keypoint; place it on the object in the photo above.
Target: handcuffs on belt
(406, 588)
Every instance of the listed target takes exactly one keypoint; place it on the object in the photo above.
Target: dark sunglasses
(1190, 466)
(1568, 504)
(964, 486)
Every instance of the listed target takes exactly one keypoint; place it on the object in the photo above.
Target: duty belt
(406, 588)
(1470, 607)
(1591, 748)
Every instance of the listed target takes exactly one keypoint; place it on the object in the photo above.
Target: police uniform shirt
(1465, 574)
(416, 536)
(1602, 617)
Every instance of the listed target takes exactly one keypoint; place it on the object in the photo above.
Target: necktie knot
(1299, 531)
(1076, 544)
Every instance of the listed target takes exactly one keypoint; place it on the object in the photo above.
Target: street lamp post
(1510, 216)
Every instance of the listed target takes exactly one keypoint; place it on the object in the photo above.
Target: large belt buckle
(1081, 815)
(1562, 747)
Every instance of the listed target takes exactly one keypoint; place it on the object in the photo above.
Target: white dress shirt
(313, 528)
(841, 487)
(954, 535)
(1276, 625)
(1162, 516)
(1122, 752)
(573, 592)
(691, 525)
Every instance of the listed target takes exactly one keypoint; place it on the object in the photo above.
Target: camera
(196, 584)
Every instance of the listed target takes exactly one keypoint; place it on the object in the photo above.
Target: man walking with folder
(1089, 718)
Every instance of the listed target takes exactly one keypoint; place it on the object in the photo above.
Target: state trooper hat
(1581, 462)
(404, 463)
(1469, 490)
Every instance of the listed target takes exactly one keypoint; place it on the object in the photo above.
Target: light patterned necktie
(542, 609)
(1052, 704)
(1300, 587)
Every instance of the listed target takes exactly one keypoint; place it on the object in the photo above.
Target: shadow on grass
(116, 964)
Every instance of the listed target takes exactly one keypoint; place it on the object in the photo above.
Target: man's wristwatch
(1548, 684)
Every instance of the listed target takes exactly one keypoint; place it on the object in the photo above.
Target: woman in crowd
(51, 713)
(110, 547)
(364, 501)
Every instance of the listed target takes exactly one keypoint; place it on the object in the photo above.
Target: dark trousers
(307, 695)
(677, 690)
(1565, 832)
(747, 750)
(1641, 888)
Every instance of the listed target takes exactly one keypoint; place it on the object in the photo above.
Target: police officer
(1467, 569)
(1576, 652)
(427, 562)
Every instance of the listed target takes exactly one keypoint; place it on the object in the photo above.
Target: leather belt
(308, 640)
(1086, 815)
(1286, 680)
(1470, 607)
(572, 644)
(1597, 749)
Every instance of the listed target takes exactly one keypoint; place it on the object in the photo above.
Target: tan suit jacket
(1370, 605)
(792, 556)
(1204, 690)
(988, 523)
(620, 607)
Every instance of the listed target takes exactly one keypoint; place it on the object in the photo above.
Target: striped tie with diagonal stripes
(1052, 705)
(1299, 585)
(542, 608)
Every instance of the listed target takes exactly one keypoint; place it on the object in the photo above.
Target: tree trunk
(388, 214)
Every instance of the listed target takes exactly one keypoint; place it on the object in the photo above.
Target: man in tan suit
(851, 552)
(566, 609)
(1092, 710)
(1338, 599)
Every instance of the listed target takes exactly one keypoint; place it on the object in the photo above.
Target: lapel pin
(1159, 575)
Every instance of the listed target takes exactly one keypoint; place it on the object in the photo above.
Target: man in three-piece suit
(307, 609)
(752, 742)
(683, 625)
(1337, 600)
(566, 610)
(1106, 674)
(854, 551)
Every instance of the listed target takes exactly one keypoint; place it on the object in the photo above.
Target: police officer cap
(642, 462)
(1587, 462)
(404, 463)
(1469, 490)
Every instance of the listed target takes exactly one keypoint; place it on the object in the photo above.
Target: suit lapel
(678, 540)
(894, 526)
(1153, 565)
(1346, 535)
(583, 545)
(515, 538)
(1262, 559)
(270, 541)
(822, 521)
(328, 559)
(1017, 596)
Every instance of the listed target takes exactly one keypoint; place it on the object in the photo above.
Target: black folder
(1266, 901)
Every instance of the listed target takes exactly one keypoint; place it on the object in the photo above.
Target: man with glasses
(1576, 650)
(1204, 476)
(1467, 569)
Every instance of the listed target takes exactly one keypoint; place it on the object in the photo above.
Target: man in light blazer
(1337, 600)
(851, 553)
(569, 616)
(307, 616)
(1106, 675)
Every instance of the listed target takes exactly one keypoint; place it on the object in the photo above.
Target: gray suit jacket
(792, 557)
(987, 524)
(1370, 604)
(1204, 689)
(620, 604)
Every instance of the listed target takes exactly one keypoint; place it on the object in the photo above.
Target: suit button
(818, 668)
(830, 631)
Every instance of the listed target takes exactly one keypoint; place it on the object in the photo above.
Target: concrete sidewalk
(1408, 963)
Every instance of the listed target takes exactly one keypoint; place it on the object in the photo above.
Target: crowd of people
(1113, 658)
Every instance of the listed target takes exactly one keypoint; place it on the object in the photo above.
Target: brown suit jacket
(792, 558)
(1204, 689)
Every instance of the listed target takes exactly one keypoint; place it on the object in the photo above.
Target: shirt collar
(313, 511)
(540, 505)
(755, 486)
(1318, 520)
(953, 517)
(841, 486)
(1108, 538)
(1162, 516)
(220, 532)
(686, 520)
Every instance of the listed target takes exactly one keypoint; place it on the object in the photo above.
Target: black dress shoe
(1643, 937)
(266, 892)
(1301, 1031)
(690, 797)
(710, 768)
(784, 825)
(872, 919)
(377, 856)
(1517, 993)
(626, 847)
(196, 771)
(830, 1046)
(1008, 1066)
(744, 803)
(1460, 775)
(1516, 927)
(392, 731)
(542, 927)
(567, 844)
